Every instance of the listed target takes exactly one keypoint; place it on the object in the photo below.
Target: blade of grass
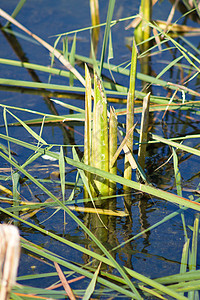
(112, 148)
(144, 132)
(72, 60)
(62, 172)
(16, 11)
(91, 287)
(106, 33)
(130, 111)
(169, 142)
(177, 176)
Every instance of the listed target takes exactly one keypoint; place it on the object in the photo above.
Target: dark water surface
(158, 252)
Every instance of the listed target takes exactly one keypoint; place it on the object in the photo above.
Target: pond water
(156, 253)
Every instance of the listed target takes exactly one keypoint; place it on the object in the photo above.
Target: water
(161, 247)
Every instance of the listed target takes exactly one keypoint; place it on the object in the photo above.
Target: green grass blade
(35, 67)
(176, 145)
(33, 133)
(91, 287)
(112, 148)
(16, 11)
(144, 132)
(107, 30)
(62, 172)
(193, 255)
(71, 107)
(65, 47)
(100, 146)
(40, 85)
(72, 60)
(170, 65)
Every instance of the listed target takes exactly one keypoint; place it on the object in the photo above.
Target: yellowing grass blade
(5, 190)
(130, 111)
(99, 211)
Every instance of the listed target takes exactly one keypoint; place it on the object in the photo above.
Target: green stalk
(142, 31)
(16, 11)
(100, 136)
(107, 31)
(144, 131)
(112, 148)
(94, 11)
(130, 111)
(88, 130)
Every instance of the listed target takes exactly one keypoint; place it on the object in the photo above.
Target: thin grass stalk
(112, 148)
(144, 131)
(100, 157)
(94, 11)
(130, 111)
(142, 31)
(107, 31)
(72, 60)
(16, 191)
(177, 176)
(193, 254)
(16, 11)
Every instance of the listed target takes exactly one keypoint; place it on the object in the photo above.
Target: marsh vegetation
(100, 146)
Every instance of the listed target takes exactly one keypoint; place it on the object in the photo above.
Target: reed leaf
(62, 172)
(72, 60)
(176, 145)
(193, 254)
(112, 148)
(100, 146)
(16, 11)
(144, 132)
(107, 30)
(130, 112)
(29, 130)
(90, 289)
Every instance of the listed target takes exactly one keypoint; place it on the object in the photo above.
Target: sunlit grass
(104, 140)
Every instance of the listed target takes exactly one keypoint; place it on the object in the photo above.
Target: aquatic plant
(108, 143)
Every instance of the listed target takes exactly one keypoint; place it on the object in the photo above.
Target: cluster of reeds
(103, 143)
